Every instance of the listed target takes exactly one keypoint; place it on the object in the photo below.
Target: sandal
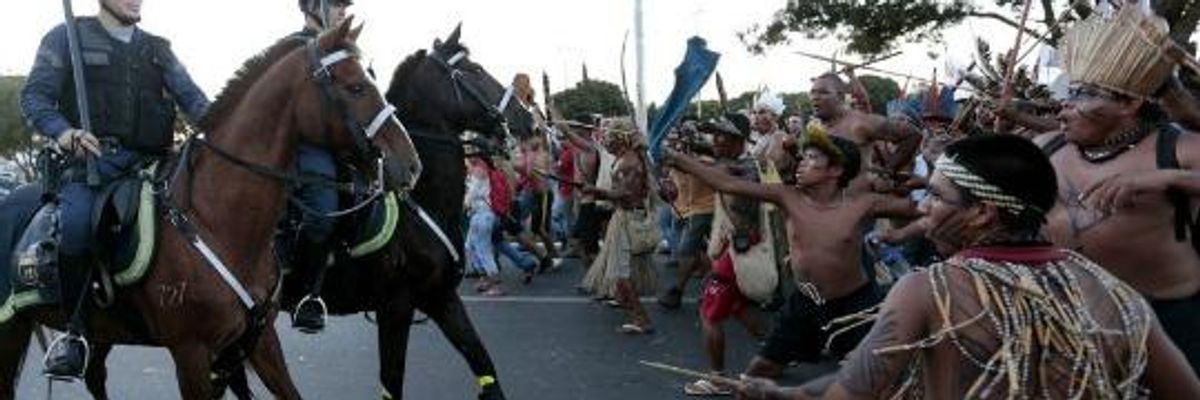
(635, 329)
(705, 388)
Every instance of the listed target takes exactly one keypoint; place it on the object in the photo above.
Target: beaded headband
(979, 187)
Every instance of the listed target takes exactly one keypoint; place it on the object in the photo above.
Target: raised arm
(722, 181)
(902, 133)
(888, 206)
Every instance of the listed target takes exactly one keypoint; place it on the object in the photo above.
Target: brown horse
(229, 188)
(439, 94)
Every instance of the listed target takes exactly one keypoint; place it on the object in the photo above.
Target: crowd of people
(980, 246)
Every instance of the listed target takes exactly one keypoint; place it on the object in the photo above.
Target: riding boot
(310, 313)
(66, 358)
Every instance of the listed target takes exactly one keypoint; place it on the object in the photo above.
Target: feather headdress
(1123, 53)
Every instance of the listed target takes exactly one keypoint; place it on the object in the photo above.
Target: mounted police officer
(314, 248)
(134, 83)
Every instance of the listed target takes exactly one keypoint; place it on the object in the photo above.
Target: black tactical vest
(126, 89)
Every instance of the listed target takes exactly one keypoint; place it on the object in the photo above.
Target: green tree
(591, 97)
(876, 26)
(16, 138)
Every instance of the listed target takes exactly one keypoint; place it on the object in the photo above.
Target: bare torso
(629, 180)
(826, 242)
(1136, 244)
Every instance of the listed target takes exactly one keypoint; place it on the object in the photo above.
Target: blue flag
(698, 65)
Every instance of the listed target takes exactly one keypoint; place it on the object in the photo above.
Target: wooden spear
(1006, 94)
(721, 380)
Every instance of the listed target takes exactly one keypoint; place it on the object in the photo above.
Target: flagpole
(640, 116)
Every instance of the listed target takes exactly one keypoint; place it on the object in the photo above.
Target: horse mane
(413, 60)
(406, 68)
(237, 87)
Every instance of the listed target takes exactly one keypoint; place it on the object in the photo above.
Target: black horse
(439, 94)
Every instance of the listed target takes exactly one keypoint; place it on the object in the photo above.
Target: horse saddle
(31, 270)
(28, 251)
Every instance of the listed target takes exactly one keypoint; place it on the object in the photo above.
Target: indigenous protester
(739, 228)
(795, 125)
(132, 96)
(500, 196)
(829, 94)
(623, 266)
(535, 198)
(1127, 180)
(767, 138)
(315, 245)
(826, 223)
(564, 197)
(593, 214)
(694, 204)
(1008, 315)
(480, 253)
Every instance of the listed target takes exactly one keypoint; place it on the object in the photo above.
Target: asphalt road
(547, 343)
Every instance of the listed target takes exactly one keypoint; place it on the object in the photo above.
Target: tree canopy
(870, 27)
(16, 138)
(590, 97)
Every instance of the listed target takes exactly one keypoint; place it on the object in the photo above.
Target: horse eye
(357, 89)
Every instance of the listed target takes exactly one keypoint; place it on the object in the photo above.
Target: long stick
(722, 98)
(694, 374)
(867, 68)
(81, 98)
(848, 67)
(624, 85)
(1007, 93)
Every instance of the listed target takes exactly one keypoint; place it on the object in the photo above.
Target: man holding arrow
(131, 86)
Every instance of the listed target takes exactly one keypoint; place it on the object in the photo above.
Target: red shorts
(721, 297)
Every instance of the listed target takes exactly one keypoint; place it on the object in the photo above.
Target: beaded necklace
(1114, 146)
(1039, 315)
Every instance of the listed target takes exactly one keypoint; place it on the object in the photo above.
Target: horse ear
(453, 38)
(338, 35)
(353, 35)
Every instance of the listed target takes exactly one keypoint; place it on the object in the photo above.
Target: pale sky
(214, 37)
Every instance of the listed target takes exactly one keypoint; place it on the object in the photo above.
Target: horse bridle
(322, 74)
(495, 111)
(320, 70)
(178, 216)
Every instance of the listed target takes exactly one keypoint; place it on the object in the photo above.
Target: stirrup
(60, 341)
(300, 306)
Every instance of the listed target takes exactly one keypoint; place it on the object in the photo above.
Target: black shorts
(1180, 319)
(589, 225)
(799, 333)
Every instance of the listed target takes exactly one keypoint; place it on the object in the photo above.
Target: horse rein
(495, 111)
(323, 76)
